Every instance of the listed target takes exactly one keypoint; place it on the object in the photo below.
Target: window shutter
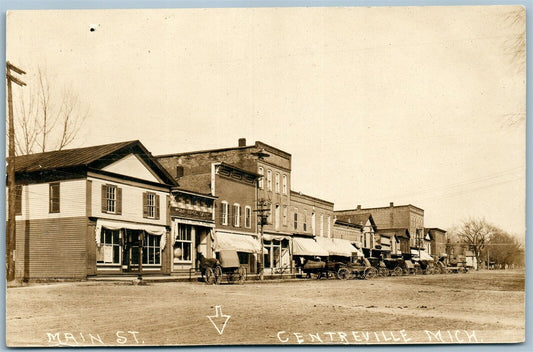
(157, 206)
(145, 205)
(104, 198)
(118, 206)
(241, 223)
(221, 213)
(229, 215)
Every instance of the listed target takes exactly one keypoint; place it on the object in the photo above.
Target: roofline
(435, 228)
(203, 151)
(394, 206)
(311, 197)
(350, 224)
(256, 145)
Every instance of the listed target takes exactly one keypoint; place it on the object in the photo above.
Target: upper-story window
(111, 199)
(296, 218)
(322, 225)
(236, 215)
(269, 180)
(284, 185)
(247, 217)
(261, 182)
(150, 205)
(224, 215)
(277, 182)
(285, 215)
(305, 220)
(54, 197)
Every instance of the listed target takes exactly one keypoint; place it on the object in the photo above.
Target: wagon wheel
(343, 274)
(371, 273)
(241, 275)
(218, 275)
(397, 271)
(232, 276)
(383, 272)
(209, 276)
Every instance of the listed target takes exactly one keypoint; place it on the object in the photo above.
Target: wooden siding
(132, 203)
(35, 200)
(52, 248)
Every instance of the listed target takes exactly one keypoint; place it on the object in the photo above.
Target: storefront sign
(191, 213)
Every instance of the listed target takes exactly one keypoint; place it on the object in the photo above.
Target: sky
(409, 105)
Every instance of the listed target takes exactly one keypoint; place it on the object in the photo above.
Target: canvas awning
(423, 255)
(347, 246)
(307, 246)
(155, 230)
(237, 242)
(333, 248)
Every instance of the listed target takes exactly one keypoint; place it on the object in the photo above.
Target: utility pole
(262, 214)
(11, 245)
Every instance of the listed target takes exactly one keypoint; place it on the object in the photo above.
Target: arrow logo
(219, 319)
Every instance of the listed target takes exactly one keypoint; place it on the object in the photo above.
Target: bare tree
(475, 233)
(47, 118)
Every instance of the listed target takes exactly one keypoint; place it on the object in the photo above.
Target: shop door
(130, 254)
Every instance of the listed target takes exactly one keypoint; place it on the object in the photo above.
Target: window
(111, 199)
(18, 200)
(296, 218)
(284, 184)
(150, 205)
(269, 180)
(54, 198)
(247, 217)
(184, 243)
(224, 215)
(152, 249)
(313, 223)
(179, 171)
(109, 250)
(277, 182)
(276, 254)
(305, 220)
(261, 183)
(284, 215)
(236, 215)
(322, 225)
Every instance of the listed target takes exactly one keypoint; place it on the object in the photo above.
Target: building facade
(90, 211)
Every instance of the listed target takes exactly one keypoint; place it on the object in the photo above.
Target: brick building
(402, 225)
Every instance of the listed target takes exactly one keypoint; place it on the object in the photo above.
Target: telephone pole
(262, 215)
(11, 245)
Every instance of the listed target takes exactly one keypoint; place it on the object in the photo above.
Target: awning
(333, 248)
(269, 237)
(237, 242)
(307, 246)
(347, 246)
(423, 255)
(117, 225)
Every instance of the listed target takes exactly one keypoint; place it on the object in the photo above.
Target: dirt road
(454, 308)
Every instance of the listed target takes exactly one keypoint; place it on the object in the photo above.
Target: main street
(485, 306)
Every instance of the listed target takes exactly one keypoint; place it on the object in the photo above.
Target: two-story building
(89, 211)
(402, 226)
(438, 240)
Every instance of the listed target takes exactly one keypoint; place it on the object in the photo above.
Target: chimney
(358, 206)
(242, 142)
(391, 204)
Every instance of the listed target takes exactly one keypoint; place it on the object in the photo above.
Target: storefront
(247, 246)
(119, 245)
(276, 254)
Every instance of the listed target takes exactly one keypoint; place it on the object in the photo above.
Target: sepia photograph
(265, 176)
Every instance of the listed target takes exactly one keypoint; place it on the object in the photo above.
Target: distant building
(438, 241)
(402, 226)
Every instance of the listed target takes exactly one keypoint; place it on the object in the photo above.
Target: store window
(276, 254)
(183, 244)
(109, 250)
(152, 250)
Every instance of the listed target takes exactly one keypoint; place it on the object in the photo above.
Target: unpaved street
(453, 308)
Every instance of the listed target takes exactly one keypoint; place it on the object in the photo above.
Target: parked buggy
(313, 266)
(227, 265)
(322, 269)
(360, 269)
(395, 266)
(380, 266)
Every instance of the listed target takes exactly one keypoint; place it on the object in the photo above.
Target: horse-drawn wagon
(227, 265)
